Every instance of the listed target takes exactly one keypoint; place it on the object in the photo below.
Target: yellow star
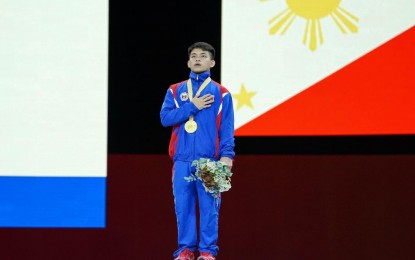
(244, 98)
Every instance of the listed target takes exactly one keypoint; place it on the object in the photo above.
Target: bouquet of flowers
(215, 175)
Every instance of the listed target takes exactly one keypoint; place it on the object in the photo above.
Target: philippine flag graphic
(53, 113)
(320, 67)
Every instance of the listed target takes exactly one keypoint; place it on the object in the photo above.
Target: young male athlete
(200, 112)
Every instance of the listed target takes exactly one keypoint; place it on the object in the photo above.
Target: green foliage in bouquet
(215, 176)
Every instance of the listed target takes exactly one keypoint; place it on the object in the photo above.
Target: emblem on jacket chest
(184, 96)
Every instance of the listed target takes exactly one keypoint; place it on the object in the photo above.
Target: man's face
(200, 61)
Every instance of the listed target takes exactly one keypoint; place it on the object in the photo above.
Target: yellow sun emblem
(313, 11)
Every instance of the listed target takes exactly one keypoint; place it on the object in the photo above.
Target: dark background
(292, 198)
(148, 52)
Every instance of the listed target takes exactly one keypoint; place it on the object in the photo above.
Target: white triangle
(278, 67)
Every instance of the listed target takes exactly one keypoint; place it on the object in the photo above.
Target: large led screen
(320, 67)
(53, 113)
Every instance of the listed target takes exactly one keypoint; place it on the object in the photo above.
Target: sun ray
(312, 34)
(278, 16)
(337, 22)
(346, 21)
(288, 24)
(286, 17)
(348, 14)
(313, 11)
(320, 32)
(306, 32)
(313, 38)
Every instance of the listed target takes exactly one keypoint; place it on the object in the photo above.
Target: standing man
(200, 112)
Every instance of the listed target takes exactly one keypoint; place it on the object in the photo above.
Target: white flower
(215, 176)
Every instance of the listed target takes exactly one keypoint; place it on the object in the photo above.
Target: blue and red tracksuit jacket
(214, 137)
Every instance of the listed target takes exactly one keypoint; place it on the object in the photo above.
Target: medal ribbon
(190, 90)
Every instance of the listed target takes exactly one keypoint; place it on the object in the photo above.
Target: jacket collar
(199, 77)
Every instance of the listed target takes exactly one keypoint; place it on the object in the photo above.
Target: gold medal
(190, 126)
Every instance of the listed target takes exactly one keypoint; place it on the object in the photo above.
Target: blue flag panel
(61, 202)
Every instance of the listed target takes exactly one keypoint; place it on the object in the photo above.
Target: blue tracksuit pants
(187, 196)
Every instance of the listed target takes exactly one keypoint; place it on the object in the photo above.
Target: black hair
(203, 46)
